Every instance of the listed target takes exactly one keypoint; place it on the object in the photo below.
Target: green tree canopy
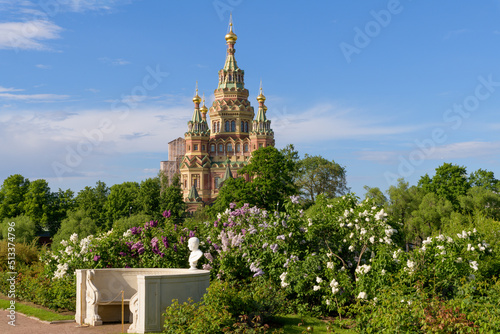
(320, 176)
(92, 200)
(171, 197)
(77, 222)
(25, 228)
(450, 182)
(38, 203)
(12, 193)
(120, 202)
(485, 179)
(149, 197)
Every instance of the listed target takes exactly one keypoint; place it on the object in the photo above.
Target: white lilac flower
(73, 237)
(372, 239)
(64, 243)
(351, 248)
(362, 295)
(362, 232)
(363, 269)
(458, 260)
(127, 234)
(470, 248)
(283, 277)
(319, 280)
(383, 272)
(351, 235)
(380, 215)
(440, 237)
(349, 225)
(427, 241)
(274, 247)
(316, 287)
(68, 250)
(329, 265)
(450, 240)
(280, 237)
(327, 302)
(440, 247)
(473, 265)
(410, 266)
(341, 224)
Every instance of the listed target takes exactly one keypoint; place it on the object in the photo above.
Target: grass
(39, 313)
(295, 324)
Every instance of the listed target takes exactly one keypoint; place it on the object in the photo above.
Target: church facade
(217, 146)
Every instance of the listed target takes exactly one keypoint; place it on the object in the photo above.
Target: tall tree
(120, 202)
(449, 182)
(433, 212)
(271, 177)
(149, 196)
(321, 176)
(171, 197)
(63, 201)
(92, 200)
(485, 179)
(12, 193)
(376, 194)
(38, 203)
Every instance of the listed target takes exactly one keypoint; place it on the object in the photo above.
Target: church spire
(231, 76)
(198, 123)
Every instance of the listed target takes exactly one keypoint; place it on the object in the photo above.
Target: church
(214, 148)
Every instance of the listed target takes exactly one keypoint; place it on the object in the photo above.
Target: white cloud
(326, 121)
(44, 67)
(92, 90)
(27, 35)
(4, 89)
(114, 62)
(33, 97)
(454, 33)
(462, 150)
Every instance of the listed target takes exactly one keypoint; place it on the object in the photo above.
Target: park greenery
(292, 240)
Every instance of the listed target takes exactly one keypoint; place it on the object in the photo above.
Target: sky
(94, 90)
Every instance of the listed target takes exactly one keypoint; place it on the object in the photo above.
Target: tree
(449, 182)
(271, 177)
(376, 194)
(235, 191)
(148, 200)
(433, 212)
(485, 179)
(120, 202)
(63, 201)
(77, 222)
(403, 200)
(38, 203)
(92, 201)
(321, 176)
(12, 193)
(292, 155)
(171, 197)
(481, 202)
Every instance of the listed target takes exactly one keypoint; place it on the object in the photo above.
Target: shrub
(26, 254)
(24, 230)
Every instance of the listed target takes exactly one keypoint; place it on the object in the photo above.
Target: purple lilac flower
(280, 237)
(154, 245)
(127, 266)
(191, 234)
(175, 227)
(122, 254)
(225, 224)
(206, 266)
(153, 223)
(166, 213)
(135, 230)
(175, 248)
(165, 241)
(259, 273)
(216, 247)
(243, 231)
(232, 205)
(215, 224)
(182, 239)
(96, 258)
(295, 199)
(274, 247)
(209, 257)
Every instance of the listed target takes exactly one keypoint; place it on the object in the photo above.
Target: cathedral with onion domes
(214, 148)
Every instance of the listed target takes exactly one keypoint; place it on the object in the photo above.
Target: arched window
(233, 126)
(227, 129)
(246, 126)
(242, 129)
(237, 147)
(221, 148)
(212, 148)
(217, 182)
(229, 147)
(245, 147)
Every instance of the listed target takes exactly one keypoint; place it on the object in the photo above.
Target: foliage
(120, 201)
(92, 202)
(12, 193)
(24, 229)
(123, 224)
(376, 195)
(318, 175)
(171, 198)
(77, 222)
(449, 182)
(26, 254)
(30, 311)
(238, 307)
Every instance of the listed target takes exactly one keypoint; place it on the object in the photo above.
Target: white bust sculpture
(196, 254)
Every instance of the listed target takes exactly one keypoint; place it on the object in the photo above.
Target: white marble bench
(147, 292)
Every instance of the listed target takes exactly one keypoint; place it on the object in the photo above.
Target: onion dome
(231, 36)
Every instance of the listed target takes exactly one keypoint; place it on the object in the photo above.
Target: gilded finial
(196, 98)
(261, 97)
(231, 36)
(203, 108)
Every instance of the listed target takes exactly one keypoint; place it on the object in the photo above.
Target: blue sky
(94, 90)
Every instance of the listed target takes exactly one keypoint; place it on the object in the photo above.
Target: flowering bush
(153, 245)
